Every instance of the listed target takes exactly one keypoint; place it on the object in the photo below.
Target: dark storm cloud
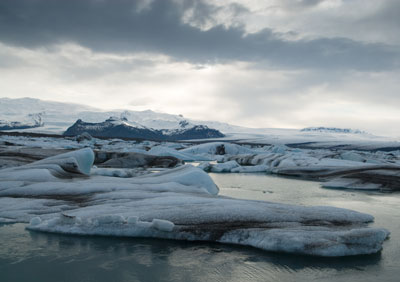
(120, 26)
(386, 18)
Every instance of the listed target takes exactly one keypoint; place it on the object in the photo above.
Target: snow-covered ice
(378, 169)
(59, 195)
(225, 167)
(166, 151)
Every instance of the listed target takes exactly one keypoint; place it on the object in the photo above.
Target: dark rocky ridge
(120, 129)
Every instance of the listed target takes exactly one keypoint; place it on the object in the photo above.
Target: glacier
(61, 194)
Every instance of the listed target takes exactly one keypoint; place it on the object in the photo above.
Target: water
(32, 256)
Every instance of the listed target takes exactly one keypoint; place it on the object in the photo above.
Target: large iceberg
(58, 194)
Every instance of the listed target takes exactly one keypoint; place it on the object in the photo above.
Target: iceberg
(339, 168)
(218, 148)
(377, 170)
(181, 203)
(165, 151)
(224, 167)
(67, 165)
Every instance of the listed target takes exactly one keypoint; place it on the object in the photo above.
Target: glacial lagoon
(35, 256)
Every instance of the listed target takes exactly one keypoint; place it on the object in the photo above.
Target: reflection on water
(45, 257)
(33, 256)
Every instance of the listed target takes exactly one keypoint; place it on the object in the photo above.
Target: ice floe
(340, 168)
(166, 151)
(365, 169)
(179, 203)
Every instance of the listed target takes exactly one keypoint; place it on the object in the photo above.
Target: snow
(180, 203)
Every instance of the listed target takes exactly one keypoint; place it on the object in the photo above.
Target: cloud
(124, 26)
(239, 93)
(200, 58)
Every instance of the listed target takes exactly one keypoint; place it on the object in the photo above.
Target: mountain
(333, 130)
(120, 128)
(13, 125)
(29, 121)
(57, 116)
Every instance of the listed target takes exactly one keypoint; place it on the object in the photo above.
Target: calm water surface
(32, 256)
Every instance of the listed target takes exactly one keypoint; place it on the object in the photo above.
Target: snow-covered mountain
(121, 128)
(57, 117)
(333, 130)
(11, 125)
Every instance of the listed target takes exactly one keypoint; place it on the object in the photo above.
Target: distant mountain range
(12, 125)
(115, 127)
(56, 117)
(33, 121)
(34, 115)
(333, 130)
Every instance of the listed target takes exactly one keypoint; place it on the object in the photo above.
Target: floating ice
(217, 148)
(165, 151)
(247, 169)
(60, 166)
(83, 159)
(224, 167)
(179, 203)
(35, 221)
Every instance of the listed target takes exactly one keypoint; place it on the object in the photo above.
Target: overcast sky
(272, 63)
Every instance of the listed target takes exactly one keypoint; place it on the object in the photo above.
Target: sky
(272, 63)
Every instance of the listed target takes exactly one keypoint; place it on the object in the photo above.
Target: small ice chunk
(162, 225)
(279, 149)
(351, 183)
(132, 219)
(206, 166)
(352, 156)
(225, 167)
(255, 168)
(35, 221)
(82, 137)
